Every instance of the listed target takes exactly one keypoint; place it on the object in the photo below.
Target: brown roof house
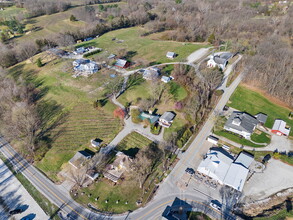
(118, 167)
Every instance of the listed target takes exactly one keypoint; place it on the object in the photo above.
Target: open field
(142, 47)
(10, 12)
(74, 98)
(252, 102)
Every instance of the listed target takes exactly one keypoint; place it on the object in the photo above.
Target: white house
(220, 61)
(166, 79)
(85, 66)
(280, 128)
(212, 139)
(166, 119)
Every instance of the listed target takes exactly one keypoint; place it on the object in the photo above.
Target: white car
(216, 206)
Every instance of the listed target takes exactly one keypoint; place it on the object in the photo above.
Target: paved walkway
(15, 196)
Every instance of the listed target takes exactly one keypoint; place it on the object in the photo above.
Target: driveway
(14, 195)
(197, 55)
(276, 177)
(281, 143)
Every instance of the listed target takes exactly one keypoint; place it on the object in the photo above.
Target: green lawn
(178, 92)
(10, 12)
(142, 47)
(131, 144)
(197, 216)
(252, 102)
(281, 215)
(236, 138)
(76, 96)
(261, 138)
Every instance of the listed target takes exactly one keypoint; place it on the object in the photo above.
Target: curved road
(62, 199)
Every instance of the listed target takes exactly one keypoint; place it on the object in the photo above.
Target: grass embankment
(281, 215)
(126, 191)
(49, 208)
(142, 47)
(253, 102)
(75, 96)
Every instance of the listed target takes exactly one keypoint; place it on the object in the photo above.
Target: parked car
(216, 205)
(190, 170)
(15, 211)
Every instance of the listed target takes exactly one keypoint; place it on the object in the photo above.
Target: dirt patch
(266, 95)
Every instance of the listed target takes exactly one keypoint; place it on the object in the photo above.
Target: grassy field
(142, 47)
(131, 144)
(281, 215)
(11, 12)
(75, 96)
(252, 102)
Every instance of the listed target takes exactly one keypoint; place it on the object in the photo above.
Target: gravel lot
(16, 196)
(276, 177)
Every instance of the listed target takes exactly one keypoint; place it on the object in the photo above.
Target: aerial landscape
(144, 109)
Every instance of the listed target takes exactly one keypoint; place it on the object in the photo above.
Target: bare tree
(26, 51)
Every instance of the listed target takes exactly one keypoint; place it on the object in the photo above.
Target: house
(80, 158)
(151, 73)
(220, 61)
(262, 118)
(122, 63)
(221, 166)
(166, 119)
(171, 55)
(152, 118)
(212, 139)
(85, 66)
(118, 167)
(241, 123)
(280, 128)
(80, 50)
(96, 142)
(166, 79)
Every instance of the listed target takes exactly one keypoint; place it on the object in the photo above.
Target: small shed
(171, 55)
(212, 139)
(96, 142)
(122, 63)
(261, 117)
(166, 79)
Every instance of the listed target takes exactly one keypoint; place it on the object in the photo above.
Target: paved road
(14, 195)
(168, 190)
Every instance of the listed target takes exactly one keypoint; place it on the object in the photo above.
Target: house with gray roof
(151, 73)
(80, 158)
(220, 61)
(166, 119)
(171, 55)
(85, 67)
(241, 123)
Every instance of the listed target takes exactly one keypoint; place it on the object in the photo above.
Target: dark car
(15, 211)
(190, 171)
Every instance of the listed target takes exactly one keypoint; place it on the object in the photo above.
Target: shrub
(155, 129)
(119, 113)
(219, 92)
(178, 106)
(72, 18)
(39, 62)
(91, 53)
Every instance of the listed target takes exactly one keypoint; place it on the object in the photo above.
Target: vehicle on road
(15, 211)
(190, 171)
(216, 205)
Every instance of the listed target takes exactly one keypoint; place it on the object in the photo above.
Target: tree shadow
(130, 54)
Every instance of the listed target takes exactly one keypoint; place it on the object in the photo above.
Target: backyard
(253, 102)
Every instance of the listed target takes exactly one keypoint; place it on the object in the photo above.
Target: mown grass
(49, 208)
(143, 47)
(178, 92)
(281, 215)
(132, 143)
(252, 102)
(236, 138)
(261, 138)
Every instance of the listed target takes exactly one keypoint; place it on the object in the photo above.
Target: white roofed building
(280, 128)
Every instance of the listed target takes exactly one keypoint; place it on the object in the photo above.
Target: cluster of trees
(24, 117)
(42, 7)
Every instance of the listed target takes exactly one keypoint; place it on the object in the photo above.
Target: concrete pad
(15, 195)
(276, 177)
